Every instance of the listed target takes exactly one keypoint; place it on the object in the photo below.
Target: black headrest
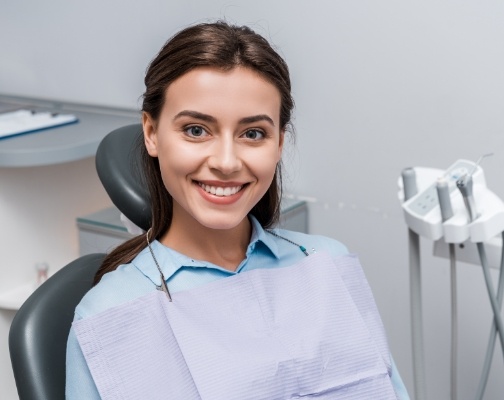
(119, 167)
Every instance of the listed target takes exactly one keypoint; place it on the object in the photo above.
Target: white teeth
(220, 191)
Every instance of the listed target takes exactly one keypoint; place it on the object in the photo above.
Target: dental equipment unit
(452, 207)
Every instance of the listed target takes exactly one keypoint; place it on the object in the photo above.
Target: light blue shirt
(141, 276)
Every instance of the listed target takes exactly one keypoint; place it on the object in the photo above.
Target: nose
(225, 157)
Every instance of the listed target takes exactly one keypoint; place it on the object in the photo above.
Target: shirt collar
(259, 234)
(170, 261)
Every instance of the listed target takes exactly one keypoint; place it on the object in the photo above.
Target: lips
(221, 191)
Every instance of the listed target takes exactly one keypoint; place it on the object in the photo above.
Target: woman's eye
(254, 134)
(195, 131)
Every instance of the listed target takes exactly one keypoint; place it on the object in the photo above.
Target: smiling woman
(218, 141)
(295, 316)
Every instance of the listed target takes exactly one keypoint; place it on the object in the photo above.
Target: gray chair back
(39, 331)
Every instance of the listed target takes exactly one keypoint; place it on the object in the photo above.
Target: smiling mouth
(221, 191)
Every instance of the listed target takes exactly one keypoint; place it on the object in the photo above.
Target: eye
(254, 134)
(195, 131)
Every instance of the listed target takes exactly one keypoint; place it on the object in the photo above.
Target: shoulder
(317, 243)
(125, 283)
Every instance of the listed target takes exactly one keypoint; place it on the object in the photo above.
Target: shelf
(13, 299)
(61, 144)
(105, 221)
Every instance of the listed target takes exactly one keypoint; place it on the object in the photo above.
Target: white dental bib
(309, 330)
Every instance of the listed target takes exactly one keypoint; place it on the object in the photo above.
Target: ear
(150, 136)
(281, 143)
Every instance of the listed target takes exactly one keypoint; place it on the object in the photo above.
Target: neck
(223, 247)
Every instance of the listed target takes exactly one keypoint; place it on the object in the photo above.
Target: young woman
(293, 318)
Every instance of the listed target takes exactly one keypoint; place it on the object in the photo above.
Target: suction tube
(493, 332)
(465, 185)
(410, 189)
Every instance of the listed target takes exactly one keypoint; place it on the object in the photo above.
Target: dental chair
(39, 331)
(118, 163)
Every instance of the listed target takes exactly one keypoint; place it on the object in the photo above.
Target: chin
(221, 223)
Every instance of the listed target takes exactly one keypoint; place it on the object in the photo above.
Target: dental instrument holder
(457, 209)
(423, 213)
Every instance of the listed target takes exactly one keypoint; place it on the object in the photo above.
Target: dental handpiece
(465, 185)
(443, 192)
(409, 183)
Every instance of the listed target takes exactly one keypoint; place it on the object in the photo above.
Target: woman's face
(218, 142)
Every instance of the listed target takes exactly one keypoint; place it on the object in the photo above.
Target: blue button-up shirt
(141, 276)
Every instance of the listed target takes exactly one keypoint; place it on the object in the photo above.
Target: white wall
(379, 85)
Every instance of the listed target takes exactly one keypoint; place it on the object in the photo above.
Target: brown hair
(219, 45)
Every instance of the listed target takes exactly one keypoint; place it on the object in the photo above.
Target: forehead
(240, 92)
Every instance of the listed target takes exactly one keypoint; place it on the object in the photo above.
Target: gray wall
(379, 85)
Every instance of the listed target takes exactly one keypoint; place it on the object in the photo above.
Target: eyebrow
(257, 118)
(195, 114)
(209, 118)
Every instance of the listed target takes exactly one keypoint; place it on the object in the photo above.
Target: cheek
(176, 158)
(175, 167)
(264, 166)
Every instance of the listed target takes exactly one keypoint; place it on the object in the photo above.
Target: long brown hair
(219, 45)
